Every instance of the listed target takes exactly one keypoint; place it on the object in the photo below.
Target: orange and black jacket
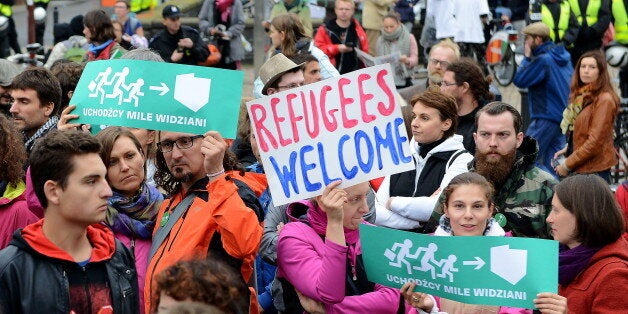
(218, 223)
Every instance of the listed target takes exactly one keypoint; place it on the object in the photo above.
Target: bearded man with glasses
(211, 212)
(441, 56)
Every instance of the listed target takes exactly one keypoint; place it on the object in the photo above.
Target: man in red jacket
(338, 38)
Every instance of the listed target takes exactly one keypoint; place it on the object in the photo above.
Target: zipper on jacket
(86, 287)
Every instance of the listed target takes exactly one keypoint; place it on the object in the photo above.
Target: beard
(181, 175)
(435, 78)
(495, 170)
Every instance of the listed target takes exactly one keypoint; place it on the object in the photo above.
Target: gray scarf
(388, 43)
(50, 124)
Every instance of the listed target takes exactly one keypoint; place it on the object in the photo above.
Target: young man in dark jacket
(68, 262)
(178, 43)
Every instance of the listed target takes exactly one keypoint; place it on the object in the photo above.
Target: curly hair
(13, 154)
(206, 281)
(467, 70)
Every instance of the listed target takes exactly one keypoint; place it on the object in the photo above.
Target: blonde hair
(448, 43)
(346, 1)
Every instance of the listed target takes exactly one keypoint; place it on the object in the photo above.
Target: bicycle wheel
(504, 71)
(619, 173)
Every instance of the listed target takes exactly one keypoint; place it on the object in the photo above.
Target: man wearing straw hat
(280, 74)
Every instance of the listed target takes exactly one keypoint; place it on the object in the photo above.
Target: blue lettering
(348, 173)
(365, 166)
(387, 142)
(287, 175)
(321, 158)
(401, 140)
(305, 167)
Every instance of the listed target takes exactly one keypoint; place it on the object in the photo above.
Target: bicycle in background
(33, 57)
(501, 52)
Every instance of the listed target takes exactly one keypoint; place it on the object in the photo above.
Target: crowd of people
(135, 220)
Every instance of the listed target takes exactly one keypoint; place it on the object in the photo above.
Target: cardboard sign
(348, 128)
(159, 96)
(504, 271)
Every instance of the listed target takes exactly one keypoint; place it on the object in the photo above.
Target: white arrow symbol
(163, 88)
(478, 263)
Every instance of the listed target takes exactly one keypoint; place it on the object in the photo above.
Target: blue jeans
(550, 140)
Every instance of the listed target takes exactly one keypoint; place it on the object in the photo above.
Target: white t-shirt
(469, 28)
(443, 13)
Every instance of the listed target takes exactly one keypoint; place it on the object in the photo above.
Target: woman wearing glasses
(396, 39)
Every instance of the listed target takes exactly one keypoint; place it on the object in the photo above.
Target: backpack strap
(164, 231)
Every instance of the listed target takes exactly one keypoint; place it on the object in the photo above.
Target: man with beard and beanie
(36, 95)
(8, 70)
(338, 38)
(505, 156)
(68, 262)
(546, 72)
(178, 43)
(210, 212)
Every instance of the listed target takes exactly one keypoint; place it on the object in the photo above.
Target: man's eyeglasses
(444, 64)
(182, 143)
(291, 86)
(443, 83)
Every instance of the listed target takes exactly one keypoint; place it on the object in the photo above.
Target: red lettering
(330, 124)
(293, 117)
(313, 119)
(273, 105)
(381, 107)
(364, 97)
(260, 129)
(344, 102)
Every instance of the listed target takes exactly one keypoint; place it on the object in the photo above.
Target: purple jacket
(317, 269)
(14, 213)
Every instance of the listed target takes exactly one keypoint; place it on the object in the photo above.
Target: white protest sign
(348, 128)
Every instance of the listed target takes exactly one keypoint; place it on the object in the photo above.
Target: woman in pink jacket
(133, 207)
(319, 259)
(14, 213)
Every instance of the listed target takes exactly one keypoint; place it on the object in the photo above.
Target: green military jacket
(524, 200)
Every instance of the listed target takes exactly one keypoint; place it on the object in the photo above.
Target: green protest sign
(159, 96)
(504, 271)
